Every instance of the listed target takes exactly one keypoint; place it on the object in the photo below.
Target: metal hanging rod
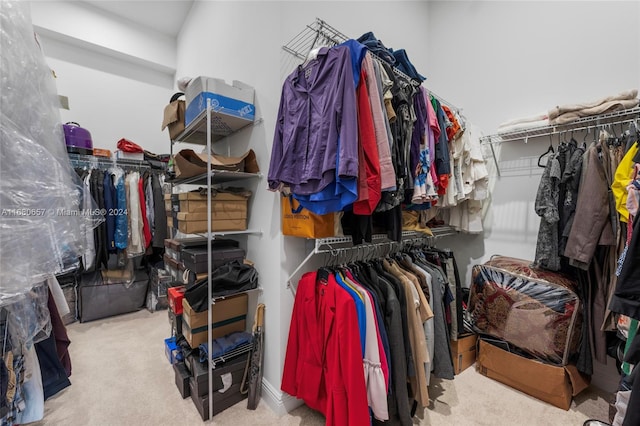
(585, 123)
(79, 160)
(319, 33)
(336, 245)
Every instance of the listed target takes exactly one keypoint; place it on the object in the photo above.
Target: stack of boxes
(191, 327)
(189, 212)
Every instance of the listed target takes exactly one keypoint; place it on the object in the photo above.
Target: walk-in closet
(319, 213)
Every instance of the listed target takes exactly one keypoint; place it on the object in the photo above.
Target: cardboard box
(195, 258)
(174, 118)
(549, 383)
(228, 315)
(100, 152)
(237, 211)
(229, 373)
(171, 349)
(221, 401)
(123, 155)
(463, 352)
(176, 295)
(199, 226)
(232, 104)
(194, 202)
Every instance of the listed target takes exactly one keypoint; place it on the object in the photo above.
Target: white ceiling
(166, 17)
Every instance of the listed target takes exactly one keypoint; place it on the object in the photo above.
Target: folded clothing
(559, 110)
(543, 116)
(606, 107)
(523, 126)
(224, 345)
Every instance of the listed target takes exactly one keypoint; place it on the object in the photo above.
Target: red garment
(60, 334)
(146, 230)
(443, 184)
(452, 130)
(367, 203)
(323, 362)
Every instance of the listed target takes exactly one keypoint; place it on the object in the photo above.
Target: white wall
(118, 77)
(503, 60)
(82, 23)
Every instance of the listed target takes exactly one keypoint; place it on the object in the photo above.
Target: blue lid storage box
(232, 104)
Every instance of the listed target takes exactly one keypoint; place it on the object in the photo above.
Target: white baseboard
(281, 403)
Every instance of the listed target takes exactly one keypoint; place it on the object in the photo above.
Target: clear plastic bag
(534, 310)
(29, 320)
(42, 220)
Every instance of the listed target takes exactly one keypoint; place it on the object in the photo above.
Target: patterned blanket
(536, 310)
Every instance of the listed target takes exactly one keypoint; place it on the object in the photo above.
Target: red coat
(323, 364)
(369, 178)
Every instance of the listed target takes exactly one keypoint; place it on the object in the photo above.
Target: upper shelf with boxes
(213, 109)
(232, 109)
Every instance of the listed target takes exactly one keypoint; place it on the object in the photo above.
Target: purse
(230, 278)
(300, 222)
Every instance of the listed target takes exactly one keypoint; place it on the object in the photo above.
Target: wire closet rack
(94, 162)
(320, 34)
(584, 124)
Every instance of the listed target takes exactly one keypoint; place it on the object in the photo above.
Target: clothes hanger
(584, 141)
(549, 150)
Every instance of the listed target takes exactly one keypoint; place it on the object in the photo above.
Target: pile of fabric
(568, 113)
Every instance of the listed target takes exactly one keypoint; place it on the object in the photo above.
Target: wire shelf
(240, 350)
(216, 176)
(320, 34)
(581, 124)
(92, 161)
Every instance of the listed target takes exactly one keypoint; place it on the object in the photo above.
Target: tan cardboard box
(549, 383)
(200, 226)
(194, 202)
(215, 215)
(174, 118)
(463, 352)
(228, 315)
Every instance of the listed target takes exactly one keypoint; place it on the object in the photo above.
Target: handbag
(227, 279)
(300, 222)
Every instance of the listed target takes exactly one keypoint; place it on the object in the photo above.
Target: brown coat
(417, 338)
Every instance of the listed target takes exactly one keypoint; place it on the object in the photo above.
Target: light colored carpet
(122, 377)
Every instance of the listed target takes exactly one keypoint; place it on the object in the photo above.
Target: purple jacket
(317, 130)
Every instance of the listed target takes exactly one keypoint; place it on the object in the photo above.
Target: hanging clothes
(146, 230)
(136, 238)
(122, 224)
(323, 362)
(417, 313)
(150, 205)
(160, 217)
(89, 256)
(316, 134)
(111, 211)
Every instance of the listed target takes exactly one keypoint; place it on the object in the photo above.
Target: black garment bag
(233, 277)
